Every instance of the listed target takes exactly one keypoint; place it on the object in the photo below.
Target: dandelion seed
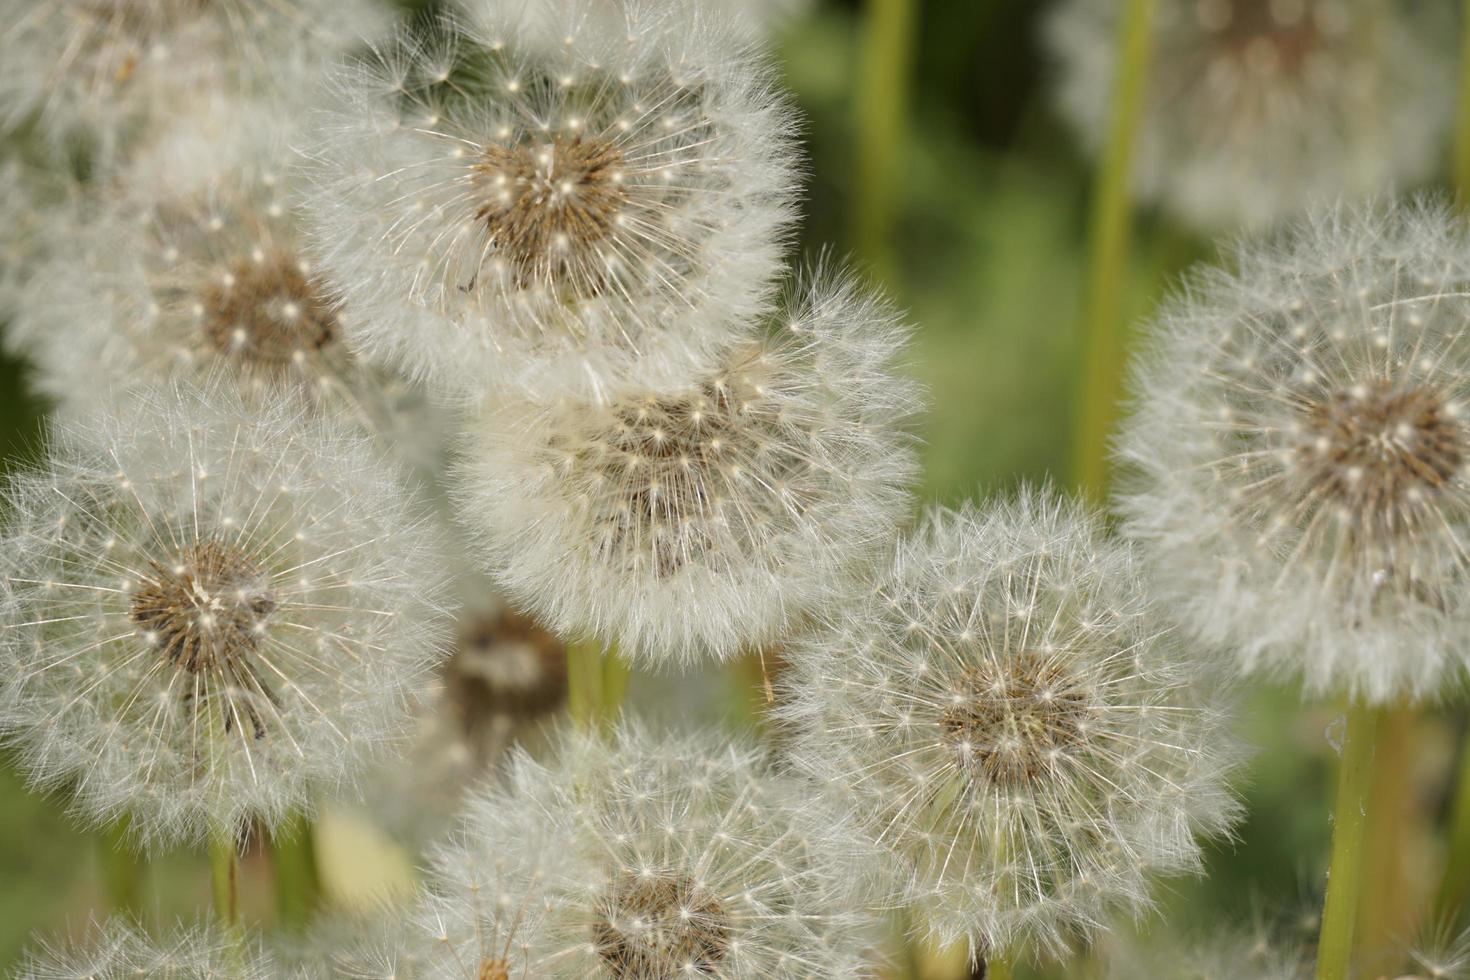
(1013, 726)
(1299, 452)
(545, 199)
(1257, 107)
(119, 950)
(1229, 955)
(1440, 955)
(639, 860)
(707, 517)
(211, 612)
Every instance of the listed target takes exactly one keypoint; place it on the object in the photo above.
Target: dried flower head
(1300, 448)
(1011, 723)
(109, 75)
(200, 271)
(1256, 107)
(644, 859)
(210, 612)
(543, 198)
(707, 516)
(119, 950)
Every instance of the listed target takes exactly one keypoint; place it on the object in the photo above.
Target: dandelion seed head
(198, 631)
(107, 77)
(1013, 726)
(1228, 955)
(1257, 107)
(543, 198)
(1299, 452)
(708, 516)
(637, 859)
(119, 950)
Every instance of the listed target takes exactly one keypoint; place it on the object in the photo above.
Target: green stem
(119, 867)
(1455, 888)
(597, 680)
(1344, 875)
(881, 103)
(1110, 232)
(1461, 175)
(298, 885)
(998, 967)
(224, 873)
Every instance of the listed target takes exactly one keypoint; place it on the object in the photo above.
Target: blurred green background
(986, 251)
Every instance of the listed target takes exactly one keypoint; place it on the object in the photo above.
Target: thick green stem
(224, 873)
(298, 885)
(1345, 873)
(1461, 175)
(120, 869)
(597, 680)
(1455, 888)
(1110, 232)
(881, 103)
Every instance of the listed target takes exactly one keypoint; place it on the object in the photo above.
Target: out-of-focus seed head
(1009, 720)
(105, 77)
(638, 859)
(119, 950)
(549, 195)
(1228, 955)
(1255, 108)
(1300, 446)
(211, 612)
(1441, 954)
(705, 517)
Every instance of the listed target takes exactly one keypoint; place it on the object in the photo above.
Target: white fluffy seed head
(705, 517)
(198, 269)
(1257, 107)
(211, 612)
(1009, 720)
(105, 76)
(1441, 954)
(1298, 454)
(120, 950)
(547, 197)
(642, 859)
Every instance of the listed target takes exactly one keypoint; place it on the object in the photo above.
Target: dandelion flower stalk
(1349, 820)
(1111, 229)
(597, 680)
(119, 867)
(1456, 885)
(882, 101)
(298, 887)
(224, 876)
(1462, 118)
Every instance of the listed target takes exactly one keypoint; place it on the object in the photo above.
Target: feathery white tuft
(104, 77)
(1009, 720)
(1441, 954)
(211, 612)
(119, 950)
(1300, 447)
(642, 859)
(707, 517)
(1255, 108)
(197, 268)
(1226, 955)
(548, 197)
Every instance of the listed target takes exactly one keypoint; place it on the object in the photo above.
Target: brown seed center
(268, 312)
(1267, 36)
(1013, 722)
(660, 927)
(493, 969)
(1377, 448)
(207, 610)
(547, 206)
(506, 666)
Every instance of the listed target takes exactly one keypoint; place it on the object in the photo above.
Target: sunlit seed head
(1010, 720)
(656, 925)
(118, 949)
(196, 631)
(1301, 421)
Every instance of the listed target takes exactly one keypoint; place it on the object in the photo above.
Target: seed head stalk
(882, 100)
(1111, 231)
(298, 886)
(224, 874)
(597, 681)
(1349, 822)
(120, 868)
(1396, 823)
